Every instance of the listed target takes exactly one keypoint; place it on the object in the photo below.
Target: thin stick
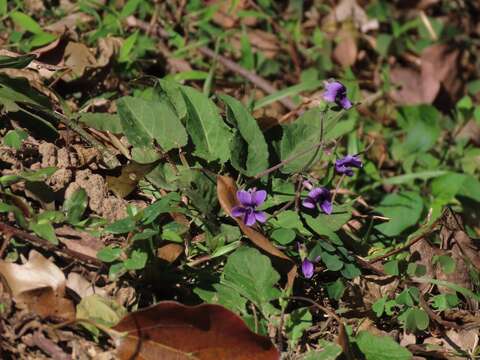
(9, 231)
(337, 187)
(314, 303)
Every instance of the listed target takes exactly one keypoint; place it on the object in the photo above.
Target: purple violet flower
(320, 196)
(345, 164)
(249, 201)
(336, 92)
(307, 268)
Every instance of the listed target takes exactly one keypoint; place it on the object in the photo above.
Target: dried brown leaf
(170, 330)
(170, 252)
(37, 272)
(346, 51)
(40, 285)
(131, 174)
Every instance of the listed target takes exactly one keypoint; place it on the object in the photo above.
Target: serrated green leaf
(136, 261)
(252, 275)
(210, 135)
(249, 151)
(144, 121)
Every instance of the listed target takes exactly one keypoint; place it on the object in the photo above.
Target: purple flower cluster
(344, 165)
(336, 92)
(317, 198)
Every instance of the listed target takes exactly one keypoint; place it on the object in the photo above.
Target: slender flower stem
(337, 187)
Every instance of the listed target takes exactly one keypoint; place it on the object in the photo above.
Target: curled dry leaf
(37, 273)
(39, 284)
(170, 330)
(226, 192)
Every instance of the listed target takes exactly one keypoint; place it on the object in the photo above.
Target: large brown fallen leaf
(437, 77)
(170, 330)
(226, 192)
(40, 285)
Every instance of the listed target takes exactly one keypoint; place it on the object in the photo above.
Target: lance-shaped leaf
(249, 148)
(142, 121)
(169, 330)
(209, 133)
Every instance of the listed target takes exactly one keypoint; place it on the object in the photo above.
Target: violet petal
(326, 207)
(258, 197)
(244, 197)
(307, 268)
(249, 218)
(238, 211)
(260, 216)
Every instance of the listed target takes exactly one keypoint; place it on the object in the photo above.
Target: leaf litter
(127, 133)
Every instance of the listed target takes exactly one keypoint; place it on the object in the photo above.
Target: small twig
(49, 347)
(317, 305)
(255, 318)
(8, 230)
(397, 251)
(428, 25)
(337, 187)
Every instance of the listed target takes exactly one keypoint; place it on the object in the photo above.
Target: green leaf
(333, 222)
(252, 275)
(109, 254)
(99, 310)
(42, 39)
(127, 47)
(297, 322)
(380, 347)
(122, 226)
(136, 261)
(417, 319)
(330, 351)
(38, 175)
(102, 122)
(14, 138)
(249, 152)
(171, 92)
(283, 236)
(447, 263)
(143, 121)
(308, 85)
(404, 209)
(75, 206)
(210, 135)
(391, 268)
(17, 62)
(26, 22)
(299, 136)
(162, 206)
(378, 306)
(406, 178)
(336, 289)
(45, 231)
(225, 296)
(129, 8)
(332, 262)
